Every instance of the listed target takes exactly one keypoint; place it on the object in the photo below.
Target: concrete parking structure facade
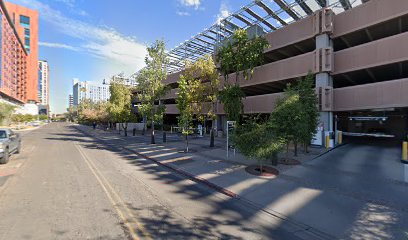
(359, 59)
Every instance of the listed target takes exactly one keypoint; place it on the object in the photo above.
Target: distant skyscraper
(13, 60)
(129, 81)
(25, 21)
(70, 100)
(43, 82)
(89, 90)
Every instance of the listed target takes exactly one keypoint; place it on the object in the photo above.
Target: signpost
(230, 130)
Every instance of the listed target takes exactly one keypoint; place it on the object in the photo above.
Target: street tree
(17, 118)
(258, 141)
(43, 117)
(120, 104)
(83, 110)
(151, 89)
(6, 110)
(207, 92)
(72, 113)
(296, 115)
(191, 96)
(240, 55)
(309, 100)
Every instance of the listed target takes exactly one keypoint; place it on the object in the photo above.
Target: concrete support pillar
(323, 79)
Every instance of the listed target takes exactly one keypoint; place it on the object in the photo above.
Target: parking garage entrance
(386, 126)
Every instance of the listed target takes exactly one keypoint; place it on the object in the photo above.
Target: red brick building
(13, 62)
(25, 21)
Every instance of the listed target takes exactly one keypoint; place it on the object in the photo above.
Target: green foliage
(309, 100)
(72, 113)
(205, 70)
(257, 141)
(231, 96)
(23, 118)
(17, 118)
(241, 55)
(288, 118)
(150, 88)
(295, 117)
(120, 103)
(6, 110)
(185, 104)
(42, 117)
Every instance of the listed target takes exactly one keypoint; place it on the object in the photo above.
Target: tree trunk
(152, 141)
(296, 145)
(306, 147)
(144, 125)
(274, 160)
(187, 143)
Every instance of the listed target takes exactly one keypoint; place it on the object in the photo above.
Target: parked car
(10, 142)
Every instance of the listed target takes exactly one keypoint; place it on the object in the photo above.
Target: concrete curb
(314, 233)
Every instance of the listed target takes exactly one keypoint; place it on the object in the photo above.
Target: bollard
(404, 158)
(134, 131)
(340, 137)
(327, 142)
(164, 137)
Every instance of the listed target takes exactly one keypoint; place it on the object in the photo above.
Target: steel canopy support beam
(270, 12)
(287, 9)
(217, 32)
(305, 7)
(204, 41)
(242, 19)
(259, 18)
(210, 37)
(345, 4)
(232, 25)
(322, 3)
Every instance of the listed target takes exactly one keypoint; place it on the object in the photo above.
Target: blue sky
(95, 39)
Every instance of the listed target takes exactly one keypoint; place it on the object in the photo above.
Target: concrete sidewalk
(332, 203)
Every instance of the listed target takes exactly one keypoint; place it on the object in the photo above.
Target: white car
(10, 142)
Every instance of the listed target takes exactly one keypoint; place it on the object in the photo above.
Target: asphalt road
(65, 185)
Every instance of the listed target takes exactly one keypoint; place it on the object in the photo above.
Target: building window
(27, 41)
(24, 20)
(26, 32)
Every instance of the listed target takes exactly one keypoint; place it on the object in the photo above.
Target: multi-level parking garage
(357, 50)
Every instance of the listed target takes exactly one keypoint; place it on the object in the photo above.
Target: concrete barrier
(404, 158)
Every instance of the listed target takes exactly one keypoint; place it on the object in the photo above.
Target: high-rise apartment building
(70, 100)
(129, 81)
(25, 21)
(89, 90)
(13, 61)
(43, 82)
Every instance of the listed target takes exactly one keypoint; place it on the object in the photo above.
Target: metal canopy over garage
(268, 15)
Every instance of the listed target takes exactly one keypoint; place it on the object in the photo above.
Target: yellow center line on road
(109, 191)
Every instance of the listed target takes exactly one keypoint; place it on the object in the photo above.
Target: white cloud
(58, 45)
(191, 3)
(224, 12)
(69, 3)
(182, 13)
(99, 41)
